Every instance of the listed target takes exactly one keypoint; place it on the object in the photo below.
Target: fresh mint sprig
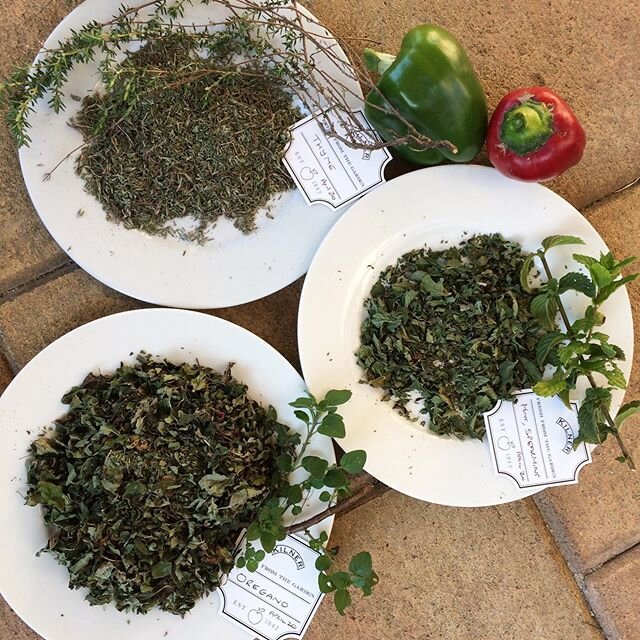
(332, 480)
(580, 349)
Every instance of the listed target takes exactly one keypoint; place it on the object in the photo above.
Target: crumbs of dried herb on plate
(149, 477)
(451, 328)
(180, 135)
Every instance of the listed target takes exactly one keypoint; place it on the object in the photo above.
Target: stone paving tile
(524, 43)
(600, 517)
(614, 594)
(5, 374)
(34, 319)
(25, 246)
(11, 627)
(456, 574)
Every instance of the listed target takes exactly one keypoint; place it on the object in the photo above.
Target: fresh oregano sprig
(332, 480)
(581, 349)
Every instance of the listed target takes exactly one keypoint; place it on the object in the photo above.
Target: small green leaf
(548, 342)
(51, 494)
(335, 478)
(527, 265)
(333, 426)
(294, 494)
(341, 599)
(240, 562)
(626, 411)
(530, 367)
(551, 387)
(252, 565)
(586, 261)
(353, 462)
(337, 397)
(577, 282)
(303, 403)
(341, 579)
(323, 563)
(253, 531)
(284, 462)
(608, 290)
(600, 275)
(303, 416)
(325, 496)
(324, 583)
(615, 377)
(544, 308)
(317, 467)
(161, 569)
(591, 415)
(268, 541)
(556, 241)
(621, 459)
(361, 564)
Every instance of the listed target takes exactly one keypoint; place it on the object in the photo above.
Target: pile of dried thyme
(180, 135)
(453, 329)
(148, 479)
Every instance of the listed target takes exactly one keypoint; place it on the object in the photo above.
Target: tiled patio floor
(524, 571)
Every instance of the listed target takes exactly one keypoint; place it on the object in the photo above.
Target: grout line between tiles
(577, 578)
(36, 281)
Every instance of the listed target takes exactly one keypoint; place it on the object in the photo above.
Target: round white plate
(231, 269)
(36, 587)
(425, 208)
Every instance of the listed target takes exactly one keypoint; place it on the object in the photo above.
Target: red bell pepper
(533, 135)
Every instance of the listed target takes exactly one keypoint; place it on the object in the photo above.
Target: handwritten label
(531, 441)
(326, 170)
(280, 598)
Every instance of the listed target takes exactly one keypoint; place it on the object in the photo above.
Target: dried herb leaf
(148, 478)
(454, 328)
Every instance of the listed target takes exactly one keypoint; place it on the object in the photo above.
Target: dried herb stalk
(453, 329)
(149, 478)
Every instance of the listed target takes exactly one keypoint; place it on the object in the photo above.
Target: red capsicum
(533, 135)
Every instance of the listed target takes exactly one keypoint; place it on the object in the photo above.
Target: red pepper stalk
(534, 136)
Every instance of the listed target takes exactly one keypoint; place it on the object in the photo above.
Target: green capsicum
(433, 86)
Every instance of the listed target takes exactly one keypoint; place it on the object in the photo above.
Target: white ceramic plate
(422, 208)
(231, 269)
(36, 587)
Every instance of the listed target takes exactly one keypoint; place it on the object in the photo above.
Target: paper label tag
(327, 171)
(280, 598)
(531, 441)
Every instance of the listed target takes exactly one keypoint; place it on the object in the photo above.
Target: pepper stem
(526, 127)
(377, 61)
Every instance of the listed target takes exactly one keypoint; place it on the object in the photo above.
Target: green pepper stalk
(433, 86)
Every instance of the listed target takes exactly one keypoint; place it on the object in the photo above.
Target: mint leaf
(555, 241)
(551, 387)
(546, 344)
(577, 282)
(626, 411)
(544, 308)
(527, 265)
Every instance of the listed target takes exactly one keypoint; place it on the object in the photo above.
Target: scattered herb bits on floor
(149, 477)
(180, 135)
(452, 329)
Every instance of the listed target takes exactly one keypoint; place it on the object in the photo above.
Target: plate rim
(162, 313)
(305, 341)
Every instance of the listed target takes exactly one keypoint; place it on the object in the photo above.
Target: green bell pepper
(433, 86)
